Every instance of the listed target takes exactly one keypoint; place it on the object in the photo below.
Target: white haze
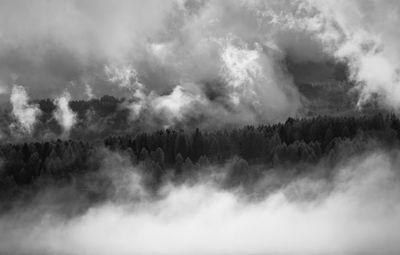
(358, 212)
(63, 113)
(23, 111)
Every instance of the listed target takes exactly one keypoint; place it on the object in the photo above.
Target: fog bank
(357, 212)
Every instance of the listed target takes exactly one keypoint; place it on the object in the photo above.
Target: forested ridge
(295, 141)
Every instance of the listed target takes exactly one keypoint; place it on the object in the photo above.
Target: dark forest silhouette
(296, 141)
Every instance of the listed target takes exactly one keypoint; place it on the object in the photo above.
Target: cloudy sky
(228, 58)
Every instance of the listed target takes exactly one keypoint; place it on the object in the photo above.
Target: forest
(178, 154)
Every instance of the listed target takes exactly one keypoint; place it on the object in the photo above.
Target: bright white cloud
(241, 65)
(175, 105)
(23, 111)
(63, 113)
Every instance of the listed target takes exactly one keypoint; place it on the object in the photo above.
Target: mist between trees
(245, 190)
(104, 199)
(292, 148)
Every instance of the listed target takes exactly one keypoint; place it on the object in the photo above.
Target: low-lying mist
(352, 208)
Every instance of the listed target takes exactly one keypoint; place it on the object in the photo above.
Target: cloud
(63, 113)
(23, 111)
(192, 43)
(363, 34)
(174, 105)
(165, 42)
(89, 91)
(258, 81)
(49, 44)
(304, 217)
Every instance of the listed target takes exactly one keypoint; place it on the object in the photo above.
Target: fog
(355, 211)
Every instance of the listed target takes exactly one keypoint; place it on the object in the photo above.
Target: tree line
(296, 141)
